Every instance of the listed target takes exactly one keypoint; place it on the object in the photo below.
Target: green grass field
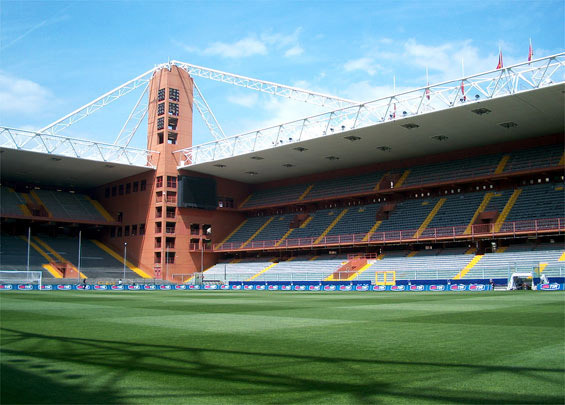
(282, 347)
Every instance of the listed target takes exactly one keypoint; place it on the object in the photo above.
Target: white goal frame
(20, 277)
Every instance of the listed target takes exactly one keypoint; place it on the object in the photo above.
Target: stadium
(456, 181)
(452, 187)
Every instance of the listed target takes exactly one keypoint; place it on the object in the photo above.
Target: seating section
(425, 265)
(10, 202)
(357, 220)
(457, 211)
(344, 185)
(429, 217)
(545, 200)
(452, 170)
(276, 195)
(531, 158)
(276, 229)
(236, 270)
(59, 204)
(408, 214)
(321, 219)
(66, 205)
(95, 263)
(523, 258)
(13, 256)
(251, 226)
(301, 268)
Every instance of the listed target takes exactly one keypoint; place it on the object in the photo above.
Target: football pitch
(224, 347)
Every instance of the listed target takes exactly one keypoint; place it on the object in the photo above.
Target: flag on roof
(500, 64)
(530, 52)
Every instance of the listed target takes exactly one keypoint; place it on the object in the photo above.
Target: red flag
(394, 113)
(530, 52)
(463, 90)
(428, 92)
(500, 64)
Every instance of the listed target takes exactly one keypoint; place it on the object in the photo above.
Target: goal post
(20, 277)
(385, 278)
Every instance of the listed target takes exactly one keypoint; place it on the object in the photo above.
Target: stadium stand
(12, 202)
(433, 217)
(461, 169)
(95, 262)
(13, 255)
(67, 205)
(520, 258)
(56, 204)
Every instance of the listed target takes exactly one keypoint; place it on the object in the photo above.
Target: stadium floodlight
(21, 277)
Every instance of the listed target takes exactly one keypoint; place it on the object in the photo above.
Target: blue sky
(56, 56)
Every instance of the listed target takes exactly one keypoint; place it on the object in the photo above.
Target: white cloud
(365, 64)
(251, 45)
(22, 97)
(247, 100)
(449, 60)
(294, 51)
(243, 48)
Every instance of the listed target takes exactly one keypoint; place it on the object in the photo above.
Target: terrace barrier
(527, 227)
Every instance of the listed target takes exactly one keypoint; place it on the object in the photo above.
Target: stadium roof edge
(535, 74)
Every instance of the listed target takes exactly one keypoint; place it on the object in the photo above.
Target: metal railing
(407, 275)
(550, 225)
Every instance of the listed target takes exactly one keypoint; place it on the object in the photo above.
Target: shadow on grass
(213, 373)
(37, 387)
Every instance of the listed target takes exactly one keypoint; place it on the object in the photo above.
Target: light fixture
(509, 124)
(221, 166)
(252, 173)
(257, 158)
(353, 138)
(288, 165)
(55, 159)
(410, 125)
(384, 148)
(440, 138)
(481, 111)
(332, 158)
(300, 149)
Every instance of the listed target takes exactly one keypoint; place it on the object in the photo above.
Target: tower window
(173, 94)
(171, 181)
(161, 109)
(170, 257)
(173, 109)
(161, 95)
(160, 123)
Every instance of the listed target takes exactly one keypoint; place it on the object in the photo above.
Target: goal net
(20, 277)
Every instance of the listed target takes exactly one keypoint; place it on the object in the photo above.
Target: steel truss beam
(19, 139)
(136, 116)
(275, 89)
(496, 83)
(102, 101)
(207, 114)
